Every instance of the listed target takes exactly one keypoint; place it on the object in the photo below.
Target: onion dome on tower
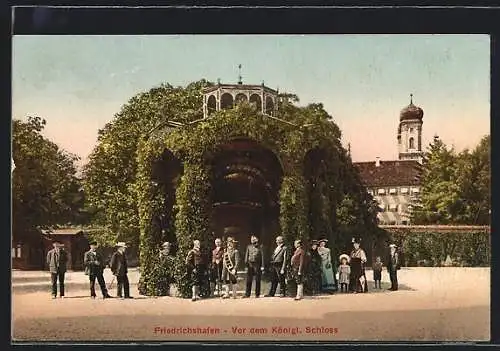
(411, 112)
(409, 133)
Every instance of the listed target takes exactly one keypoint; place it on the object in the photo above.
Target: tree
(473, 177)
(455, 187)
(45, 189)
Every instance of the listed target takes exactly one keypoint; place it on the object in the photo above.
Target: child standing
(377, 272)
(344, 273)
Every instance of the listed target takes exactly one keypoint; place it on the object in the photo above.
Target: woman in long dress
(358, 260)
(328, 280)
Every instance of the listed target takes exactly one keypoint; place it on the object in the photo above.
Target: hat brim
(341, 257)
(323, 241)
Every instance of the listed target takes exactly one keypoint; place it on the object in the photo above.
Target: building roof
(63, 231)
(238, 87)
(389, 173)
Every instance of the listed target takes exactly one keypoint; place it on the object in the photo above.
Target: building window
(381, 191)
(370, 192)
(16, 251)
(381, 207)
(411, 130)
(393, 207)
(392, 191)
(412, 143)
(415, 190)
(404, 190)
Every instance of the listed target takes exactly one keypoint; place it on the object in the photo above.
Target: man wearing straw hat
(119, 268)
(393, 266)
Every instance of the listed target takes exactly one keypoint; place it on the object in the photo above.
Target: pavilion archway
(246, 182)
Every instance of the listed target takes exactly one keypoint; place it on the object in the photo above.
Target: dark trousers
(393, 275)
(122, 283)
(277, 278)
(100, 280)
(253, 271)
(54, 277)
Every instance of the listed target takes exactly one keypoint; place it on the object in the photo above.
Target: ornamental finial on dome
(411, 99)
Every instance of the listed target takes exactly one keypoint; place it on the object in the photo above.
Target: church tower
(410, 132)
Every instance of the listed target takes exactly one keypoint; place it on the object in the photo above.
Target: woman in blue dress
(328, 279)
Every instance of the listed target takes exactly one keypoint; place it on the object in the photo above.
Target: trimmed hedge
(466, 249)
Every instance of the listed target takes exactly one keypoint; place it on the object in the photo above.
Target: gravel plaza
(433, 304)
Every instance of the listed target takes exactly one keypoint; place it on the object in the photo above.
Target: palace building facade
(395, 184)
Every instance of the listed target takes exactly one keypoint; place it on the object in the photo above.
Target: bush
(469, 249)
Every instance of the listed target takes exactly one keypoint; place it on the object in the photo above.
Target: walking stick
(111, 284)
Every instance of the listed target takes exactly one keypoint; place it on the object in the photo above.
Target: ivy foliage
(110, 174)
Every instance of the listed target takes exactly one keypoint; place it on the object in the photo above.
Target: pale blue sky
(77, 83)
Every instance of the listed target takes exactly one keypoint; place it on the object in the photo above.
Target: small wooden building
(29, 251)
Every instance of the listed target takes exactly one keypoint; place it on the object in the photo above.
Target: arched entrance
(247, 179)
(165, 175)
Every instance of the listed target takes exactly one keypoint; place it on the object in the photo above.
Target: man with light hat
(119, 268)
(393, 266)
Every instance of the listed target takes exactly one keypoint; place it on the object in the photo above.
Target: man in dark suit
(278, 265)
(94, 268)
(119, 268)
(393, 266)
(57, 259)
(254, 260)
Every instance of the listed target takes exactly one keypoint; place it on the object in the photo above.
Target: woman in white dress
(329, 283)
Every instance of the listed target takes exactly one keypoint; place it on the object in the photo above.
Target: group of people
(94, 264)
(220, 271)
(294, 266)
